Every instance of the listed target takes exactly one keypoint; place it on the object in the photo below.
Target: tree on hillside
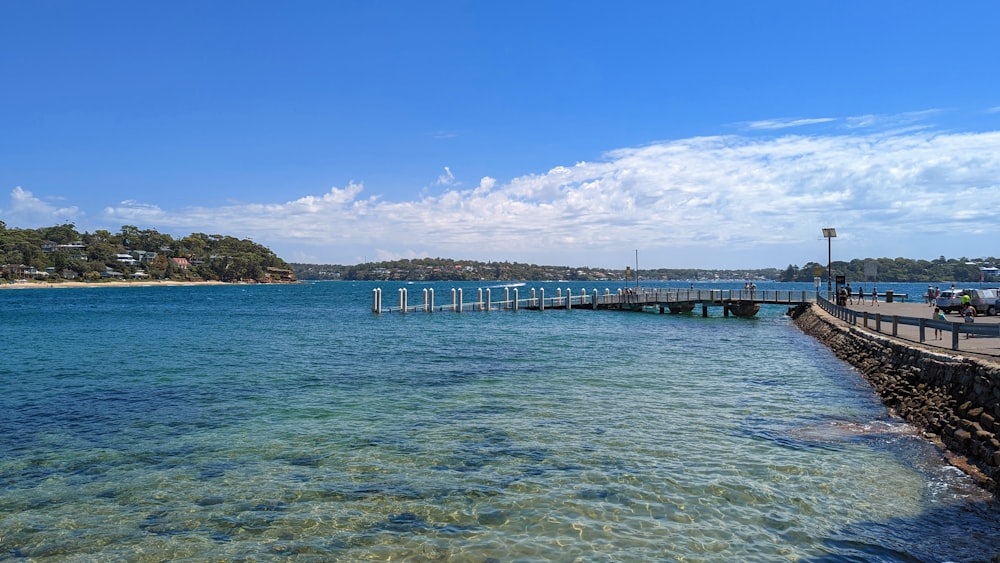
(61, 234)
(789, 274)
(103, 252)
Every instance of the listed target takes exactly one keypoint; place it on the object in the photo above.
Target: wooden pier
(741, 303)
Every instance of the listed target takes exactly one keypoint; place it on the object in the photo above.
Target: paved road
(985, 346)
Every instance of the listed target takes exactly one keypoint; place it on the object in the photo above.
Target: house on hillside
(181, 263)
(144, 257)
(49, 246)
(126, 259)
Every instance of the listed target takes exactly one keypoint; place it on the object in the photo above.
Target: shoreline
(136, 283)
(946, 395)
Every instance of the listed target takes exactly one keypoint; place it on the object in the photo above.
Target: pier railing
(485, 299)
(889, 324)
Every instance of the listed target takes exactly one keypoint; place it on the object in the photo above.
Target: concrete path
(979, 345)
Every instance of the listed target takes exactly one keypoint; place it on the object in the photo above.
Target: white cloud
(728, 201)
(28, 211)
(787, 123)
(136, 212)
(898, 121)
(485, 185)
(446, 179)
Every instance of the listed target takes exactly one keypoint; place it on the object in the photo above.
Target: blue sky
(702, 134)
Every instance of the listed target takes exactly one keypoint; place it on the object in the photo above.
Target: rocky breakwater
(954, 399)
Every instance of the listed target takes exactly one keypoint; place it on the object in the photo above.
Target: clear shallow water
(288, 421)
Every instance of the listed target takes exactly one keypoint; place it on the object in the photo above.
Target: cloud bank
(721, 201)
(27, 210)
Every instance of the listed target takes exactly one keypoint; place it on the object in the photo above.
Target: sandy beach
(71, 284)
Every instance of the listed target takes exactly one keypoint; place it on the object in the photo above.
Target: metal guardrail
(875, 321)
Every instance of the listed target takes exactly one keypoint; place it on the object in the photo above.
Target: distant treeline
(442, 269)
(63, 252)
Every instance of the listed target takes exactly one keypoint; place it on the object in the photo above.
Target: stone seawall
(954, 399)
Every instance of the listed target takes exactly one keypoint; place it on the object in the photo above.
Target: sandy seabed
(135, 283)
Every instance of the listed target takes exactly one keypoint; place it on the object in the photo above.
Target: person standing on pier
(861, 295)
(850, 296)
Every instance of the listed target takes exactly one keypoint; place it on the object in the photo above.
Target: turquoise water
(274, 422)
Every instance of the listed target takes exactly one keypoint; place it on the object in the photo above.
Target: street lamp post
(829, 233)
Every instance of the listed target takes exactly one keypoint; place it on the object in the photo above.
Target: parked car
(984, 300)
(950, 300)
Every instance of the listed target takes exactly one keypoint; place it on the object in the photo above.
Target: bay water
(280, 422)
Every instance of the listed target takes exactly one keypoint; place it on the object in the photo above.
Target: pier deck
(739, 302)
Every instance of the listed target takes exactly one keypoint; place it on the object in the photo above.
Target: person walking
(861, 295)
(875, 296)
(938, 316)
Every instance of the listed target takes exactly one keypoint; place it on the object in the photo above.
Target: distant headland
(62, 256)
(446, 269)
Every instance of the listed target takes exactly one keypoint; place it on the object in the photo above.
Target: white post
(480, 300)
(402, 300)
(594, 304)
(430, 294)
(541, 301)
(488, 299)
(460, 299)
(506, 297)
(375, 308)
(453, 299)
(425, 299)
(515, 299)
